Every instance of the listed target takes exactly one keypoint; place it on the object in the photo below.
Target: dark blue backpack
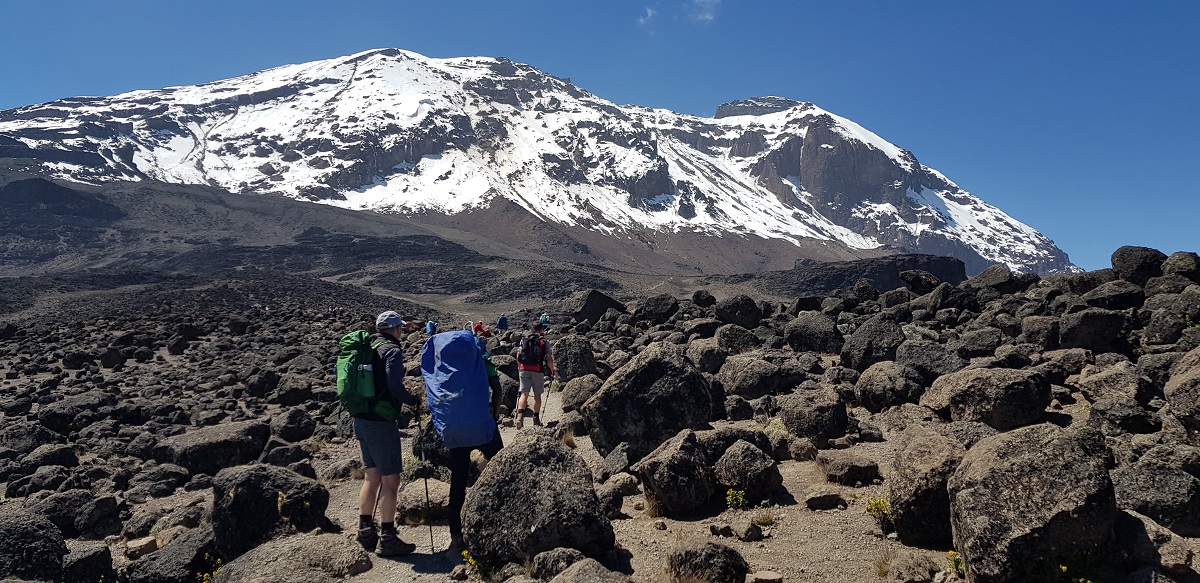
(456, 389)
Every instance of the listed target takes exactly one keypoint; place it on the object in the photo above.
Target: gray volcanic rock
(677, 476)
(30, 545)
(185, 556)
(1138, 264)
(591, 305)
(1002, 398)
(1167, 494)
(813, 332)
(818, 414)
(741, 310)
(251, 504)
(209, 449)
(573, 357)
(707, 563)
(876, 340)
(324, 557)
(1020, 493)
(923, 462)
(648, 400)
(590, 570)
(497, 525)
(886, 384)
(745, 467)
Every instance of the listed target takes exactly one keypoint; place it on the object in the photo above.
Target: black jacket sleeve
(393, 365)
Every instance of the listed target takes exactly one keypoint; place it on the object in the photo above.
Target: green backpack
(356, 377)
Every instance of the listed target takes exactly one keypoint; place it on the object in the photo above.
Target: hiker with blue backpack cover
(462, 408)
(370, 377)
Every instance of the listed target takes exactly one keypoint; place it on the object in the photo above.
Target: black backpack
(532, 351)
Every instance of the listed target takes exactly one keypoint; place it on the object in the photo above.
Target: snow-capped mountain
(392, 130)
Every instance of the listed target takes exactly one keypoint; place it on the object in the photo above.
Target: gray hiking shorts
(380, 445)
(532, 381)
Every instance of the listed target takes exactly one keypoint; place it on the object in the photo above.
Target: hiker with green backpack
(370, 377)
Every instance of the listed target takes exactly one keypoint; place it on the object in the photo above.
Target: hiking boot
(390, 545)
(520, 422)
(367, 537)
(537, 420)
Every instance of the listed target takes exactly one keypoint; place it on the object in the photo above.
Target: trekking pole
(425, 475)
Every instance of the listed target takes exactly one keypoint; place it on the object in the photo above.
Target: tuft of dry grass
(883, 562)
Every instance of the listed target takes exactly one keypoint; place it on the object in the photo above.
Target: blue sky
(1080, 118)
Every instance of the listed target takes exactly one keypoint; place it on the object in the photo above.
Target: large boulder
(292, 425)
(655, 395)
(22, 437)
(1095, 329)
(65, 415)
(886, 384)
(708, 563)
(922, 464)
(677, 476)
(656, 309)
(734, 339)
(1183, 263)
(589, 570)
(185, 558)
(208, 450)
(573, 357)
(1167, 494)
(1002, 398)
(741, 310)
(749, 377)
(78, 511)
(1026, 501)
(1138, 264)
(252, 504)
(30, 545)
(707, 355)
(876, 340)
(813, 331)
(534, 472)
(1183, 390)
(931, 359)
(324, 557)
(815, 413)
(1116, 295)
(88, 565)
(746, 467)
(577, 391)
(590, 306)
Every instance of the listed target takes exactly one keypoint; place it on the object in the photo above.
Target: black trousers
(460, 467)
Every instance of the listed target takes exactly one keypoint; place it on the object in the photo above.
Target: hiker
(462, 408)
(379, 440)
(478, 328)
(431, 327)
(502, 323)
(533, 358)
(544, 319)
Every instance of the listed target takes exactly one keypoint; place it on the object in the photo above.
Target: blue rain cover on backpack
(456, 389)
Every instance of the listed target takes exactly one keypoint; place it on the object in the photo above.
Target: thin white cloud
(705, 10)
(647, 17)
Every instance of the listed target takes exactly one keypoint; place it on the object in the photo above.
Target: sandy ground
(841, 545)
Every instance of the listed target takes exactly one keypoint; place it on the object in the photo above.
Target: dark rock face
(749, 377)
(1016, 491)
(657, 309)
(930, 359)
(1002, 398)
(882, 273)
(741, 310)
(497, 524)
(180, 560)
(1138, 264)
(923, 463)
(654, 396)
(677, 476)
(591, 305)
(589, 570)
(30, 545)
(88, 565)
(745, 467)
(573, 357)
(817, 414)
(253, 503)
(876, 340)
(1184, 263)
(886, 384)
(813, 332)
(210, 449)
(1166, 494)
(1183, 390)
(710, 563)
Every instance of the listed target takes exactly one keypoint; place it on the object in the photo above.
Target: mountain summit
(480, 141)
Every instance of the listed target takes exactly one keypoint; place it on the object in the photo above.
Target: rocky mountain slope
(503, 149)
(1043, 428)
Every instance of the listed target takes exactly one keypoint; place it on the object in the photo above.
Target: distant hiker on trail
(544, 319)
(479, 330)
(462, 409)
(379, 439)
(431, 327)
(502, 323)
(533, 358)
